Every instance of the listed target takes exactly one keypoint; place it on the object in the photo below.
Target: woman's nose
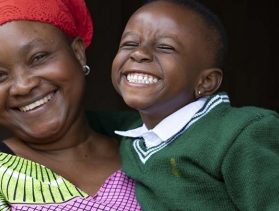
(23, 83)
(142, 54)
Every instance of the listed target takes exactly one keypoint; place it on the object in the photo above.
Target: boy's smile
(160, 57)
(141, 78)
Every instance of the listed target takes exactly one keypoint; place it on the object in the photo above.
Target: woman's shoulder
(5, 148)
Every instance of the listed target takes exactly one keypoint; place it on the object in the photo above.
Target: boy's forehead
(166, 9)
(162, 19)
(165, 5)
(165, 15)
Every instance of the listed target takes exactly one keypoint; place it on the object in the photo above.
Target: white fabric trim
(168, 127)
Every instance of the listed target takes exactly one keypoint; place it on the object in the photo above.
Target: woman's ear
(209, 82)
(79, 50)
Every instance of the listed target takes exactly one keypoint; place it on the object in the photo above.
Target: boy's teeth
(36, 104)
(141, 78)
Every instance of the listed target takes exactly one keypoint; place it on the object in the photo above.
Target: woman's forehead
(18, 38)
(22, 29)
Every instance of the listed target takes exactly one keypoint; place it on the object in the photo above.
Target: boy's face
(160, 58)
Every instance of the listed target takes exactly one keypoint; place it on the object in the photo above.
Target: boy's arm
(106, 122)
(251, 166)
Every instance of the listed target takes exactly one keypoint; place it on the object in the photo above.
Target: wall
(251, 68)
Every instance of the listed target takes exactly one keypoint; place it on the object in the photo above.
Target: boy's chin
(136, 103)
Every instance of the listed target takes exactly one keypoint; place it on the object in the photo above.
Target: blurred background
(251, 67)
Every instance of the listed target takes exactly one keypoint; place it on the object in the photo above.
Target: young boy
(194, 151)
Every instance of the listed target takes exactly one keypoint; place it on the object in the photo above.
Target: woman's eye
(39, 57)
(2, 76)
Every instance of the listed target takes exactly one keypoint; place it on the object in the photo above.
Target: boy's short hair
(214, 31)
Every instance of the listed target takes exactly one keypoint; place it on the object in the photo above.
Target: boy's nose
(142, 54)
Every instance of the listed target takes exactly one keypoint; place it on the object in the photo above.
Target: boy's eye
(129, 45)
(166, 47)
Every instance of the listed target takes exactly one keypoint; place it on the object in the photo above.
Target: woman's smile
(37, 103)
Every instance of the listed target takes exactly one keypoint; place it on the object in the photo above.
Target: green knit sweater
(224, 159)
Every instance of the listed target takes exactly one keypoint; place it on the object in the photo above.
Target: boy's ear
(79, 50)
(209, 82)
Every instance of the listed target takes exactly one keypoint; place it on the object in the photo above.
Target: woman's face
(41, 80)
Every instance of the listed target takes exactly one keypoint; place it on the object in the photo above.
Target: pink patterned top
(29, 186)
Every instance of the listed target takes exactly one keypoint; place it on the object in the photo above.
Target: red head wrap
(71, 16)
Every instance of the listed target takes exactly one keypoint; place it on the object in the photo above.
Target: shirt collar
(168, 126)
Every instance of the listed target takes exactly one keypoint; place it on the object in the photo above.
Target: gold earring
(198, 95)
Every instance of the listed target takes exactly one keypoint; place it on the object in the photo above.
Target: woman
(54, 161)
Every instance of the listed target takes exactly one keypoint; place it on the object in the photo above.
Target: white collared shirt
(168, 127)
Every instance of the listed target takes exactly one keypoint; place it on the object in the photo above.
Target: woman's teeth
(141, 78)
(36, 104)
